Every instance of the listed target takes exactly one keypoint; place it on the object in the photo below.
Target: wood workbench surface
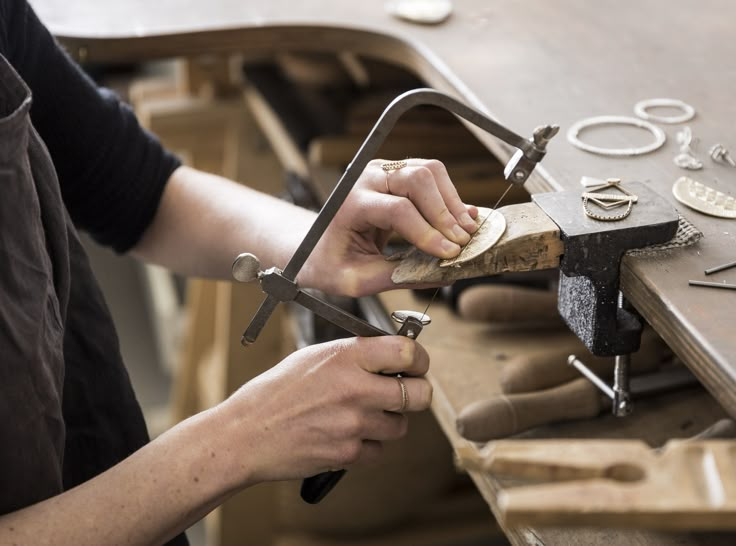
(528, 64)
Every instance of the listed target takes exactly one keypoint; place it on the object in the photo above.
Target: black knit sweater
(111, 171)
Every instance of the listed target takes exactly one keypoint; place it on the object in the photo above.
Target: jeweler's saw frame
(281, 286)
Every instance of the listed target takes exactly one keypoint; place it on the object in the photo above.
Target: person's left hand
(419, 202)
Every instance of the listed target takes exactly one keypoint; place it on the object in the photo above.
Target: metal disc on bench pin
(246, 267)
(488, 234)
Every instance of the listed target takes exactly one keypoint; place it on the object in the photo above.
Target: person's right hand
(324, 407)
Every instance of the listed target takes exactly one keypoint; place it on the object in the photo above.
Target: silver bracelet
(641, 107)
(572, 135)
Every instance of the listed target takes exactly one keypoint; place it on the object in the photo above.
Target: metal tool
(280, 286)
(590, 266)
(504, 415)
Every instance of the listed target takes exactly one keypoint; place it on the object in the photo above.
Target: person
(76, 464)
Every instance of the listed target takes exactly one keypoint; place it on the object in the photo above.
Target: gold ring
(393, 165)
(404, 395)
(390, 167)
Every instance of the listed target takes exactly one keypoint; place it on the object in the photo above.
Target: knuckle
(423, 175)
(352, 425)
(435, 165)
(407, 350)
(349, 452)
(351, 282)
(446, 217)
(401, 207)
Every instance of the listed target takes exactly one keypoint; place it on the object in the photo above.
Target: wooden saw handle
(506, 415)
(545, 369)
(506, 303)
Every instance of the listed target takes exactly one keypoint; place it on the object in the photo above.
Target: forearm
(205, 221)
(147, 499)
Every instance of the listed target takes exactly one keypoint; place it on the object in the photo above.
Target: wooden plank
(617, 483)
(530, 242)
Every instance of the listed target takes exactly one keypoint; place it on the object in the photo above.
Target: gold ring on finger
(390, 167)
(404, 395)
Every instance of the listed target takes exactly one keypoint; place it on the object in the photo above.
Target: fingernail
(449, 247)
(467, 220)
(460, 234)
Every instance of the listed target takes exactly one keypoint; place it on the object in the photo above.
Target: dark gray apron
(67, 409)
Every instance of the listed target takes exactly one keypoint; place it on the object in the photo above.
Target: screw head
(624, 408)
(246, 268)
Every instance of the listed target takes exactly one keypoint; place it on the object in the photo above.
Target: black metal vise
(590, 266)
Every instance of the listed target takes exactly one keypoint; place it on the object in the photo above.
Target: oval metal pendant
(488, 234)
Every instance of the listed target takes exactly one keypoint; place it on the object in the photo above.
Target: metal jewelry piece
(608, 201)
(720, 153)
(700, 197)
(487, 235)
(641, 107)
(686, 159)
(390, 167)
(393, 165)
(572, 135)
(404, 395)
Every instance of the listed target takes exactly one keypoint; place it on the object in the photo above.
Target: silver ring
(688, 112)
(574, 130)
(404, 395)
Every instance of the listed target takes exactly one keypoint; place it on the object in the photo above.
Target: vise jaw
(590, 266)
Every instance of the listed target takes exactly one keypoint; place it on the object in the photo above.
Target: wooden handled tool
(506, 415)
(545, 369)
(507, 303)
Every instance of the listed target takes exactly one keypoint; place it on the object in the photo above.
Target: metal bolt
(246, 268)
(624, 408)
(519, 175)
(720, 153)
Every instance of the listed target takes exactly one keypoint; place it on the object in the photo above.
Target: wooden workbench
(527, 65)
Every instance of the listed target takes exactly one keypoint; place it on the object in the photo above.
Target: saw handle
(506, 415)
(315, 488)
